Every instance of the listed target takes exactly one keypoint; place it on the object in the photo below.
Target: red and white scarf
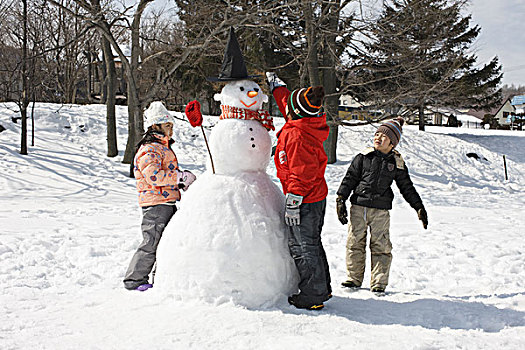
(229, 112)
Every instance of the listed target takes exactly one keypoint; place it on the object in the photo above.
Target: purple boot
(144, 287)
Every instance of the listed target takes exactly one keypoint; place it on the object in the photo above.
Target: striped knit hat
(305, 102)
(392, 129)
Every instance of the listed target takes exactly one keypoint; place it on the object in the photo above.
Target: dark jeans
(154, 221)
(308, 253)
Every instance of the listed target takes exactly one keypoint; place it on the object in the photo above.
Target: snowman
(227, 242)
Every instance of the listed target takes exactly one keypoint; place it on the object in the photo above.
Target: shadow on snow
(426, 313)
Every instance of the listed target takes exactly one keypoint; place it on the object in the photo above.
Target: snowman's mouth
(248, 106)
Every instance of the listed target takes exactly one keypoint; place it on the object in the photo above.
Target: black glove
(342, 213)
(422, 215)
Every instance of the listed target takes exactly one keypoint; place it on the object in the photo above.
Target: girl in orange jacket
(159, 181)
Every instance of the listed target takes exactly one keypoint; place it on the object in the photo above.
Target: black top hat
(233, 67)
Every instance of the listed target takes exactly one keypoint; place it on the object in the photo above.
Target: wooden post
(208, 147)
(505, 166)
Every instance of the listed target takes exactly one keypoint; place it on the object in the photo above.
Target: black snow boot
(350, 284)
(378, 290)
(300, 302)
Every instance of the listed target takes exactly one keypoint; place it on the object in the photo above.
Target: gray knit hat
(393, 129)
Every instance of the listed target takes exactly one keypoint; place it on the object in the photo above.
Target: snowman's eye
(242, 89)
(256, 89)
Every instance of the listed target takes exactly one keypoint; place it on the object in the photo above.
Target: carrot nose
(252, 94)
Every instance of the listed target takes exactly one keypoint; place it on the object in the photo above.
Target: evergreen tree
(419, 56)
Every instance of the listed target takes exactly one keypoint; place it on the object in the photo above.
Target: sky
(70, 223)
(502, 35)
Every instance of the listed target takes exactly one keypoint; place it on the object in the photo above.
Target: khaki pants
(380, 247)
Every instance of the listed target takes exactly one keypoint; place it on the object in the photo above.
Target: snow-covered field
(69, 224)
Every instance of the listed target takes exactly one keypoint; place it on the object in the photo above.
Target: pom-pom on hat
(393, 129)
(305, 102)
(156, 113)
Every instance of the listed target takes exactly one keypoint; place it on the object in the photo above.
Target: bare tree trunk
(89, 82)
(330, 81)
(136, 122)
(422, 121)
(312, 62)
(303, 74)
(135, 119)
(135, 129)
(33, 120)
(330, 145)
(74, 92)
(23, 139)
(104, 83)
(111, 88)
(24, 100)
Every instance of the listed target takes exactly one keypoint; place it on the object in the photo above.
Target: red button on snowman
(227, 242)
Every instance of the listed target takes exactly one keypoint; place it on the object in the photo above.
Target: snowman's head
(242, 94)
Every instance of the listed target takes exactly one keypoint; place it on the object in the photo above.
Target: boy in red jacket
(300, 160)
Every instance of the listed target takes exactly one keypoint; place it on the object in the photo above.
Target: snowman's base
(228, 243)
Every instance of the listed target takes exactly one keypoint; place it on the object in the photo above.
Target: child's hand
(292, 215)
(422, 215)
(342, 213)
(185, 179)
(273, 81)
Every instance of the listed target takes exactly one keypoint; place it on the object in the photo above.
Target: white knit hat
(157, 114)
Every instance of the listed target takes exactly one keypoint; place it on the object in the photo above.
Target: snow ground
(69, 224)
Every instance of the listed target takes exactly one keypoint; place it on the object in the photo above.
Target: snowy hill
(70, 222)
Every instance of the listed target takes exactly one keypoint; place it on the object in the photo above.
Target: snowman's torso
(240, 146)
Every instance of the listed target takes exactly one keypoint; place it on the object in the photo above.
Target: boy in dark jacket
(370, 177)
(300, 160)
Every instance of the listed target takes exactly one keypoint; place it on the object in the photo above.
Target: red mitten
(193, 113)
